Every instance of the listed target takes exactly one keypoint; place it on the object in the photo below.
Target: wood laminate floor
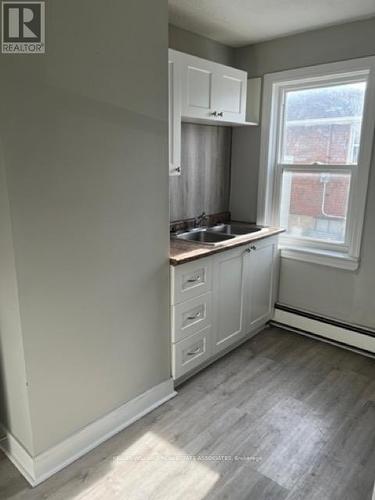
(294, 419)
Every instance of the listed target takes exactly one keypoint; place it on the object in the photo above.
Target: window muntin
(322, 124)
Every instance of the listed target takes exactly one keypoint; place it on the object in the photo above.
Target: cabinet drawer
(191, 352)
(191, 316)
(190, 280)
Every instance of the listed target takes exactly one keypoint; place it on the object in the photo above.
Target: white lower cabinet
(228, 304)
(191, 316)
(191, 280)
(191, 352)
(260, 289)
(236, 302)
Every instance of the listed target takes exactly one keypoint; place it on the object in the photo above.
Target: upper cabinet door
(174, 94)
(230, 95)
(198, 86)
(211, 92)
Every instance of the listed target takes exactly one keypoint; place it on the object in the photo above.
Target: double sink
(214, 235)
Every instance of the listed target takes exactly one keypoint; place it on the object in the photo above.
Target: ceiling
(242, 22)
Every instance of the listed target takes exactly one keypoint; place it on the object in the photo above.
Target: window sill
(321, 257)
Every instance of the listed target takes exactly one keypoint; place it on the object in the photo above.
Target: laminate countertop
(182, 251)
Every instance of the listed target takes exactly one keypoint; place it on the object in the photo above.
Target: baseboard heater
(345, 335)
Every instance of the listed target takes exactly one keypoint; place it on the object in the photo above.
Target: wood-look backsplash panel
(204, 184)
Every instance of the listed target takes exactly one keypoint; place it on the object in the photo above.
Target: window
(317, 133)
(314, 205)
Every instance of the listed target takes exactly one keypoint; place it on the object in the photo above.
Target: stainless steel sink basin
(214, 235)
(235, 229)
(204, 236)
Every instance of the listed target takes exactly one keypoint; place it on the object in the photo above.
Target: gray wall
(345, 295)
(200, 46)
(244, 173)
(14, 403)
(204, 183)
(84, 135)
(346, 41)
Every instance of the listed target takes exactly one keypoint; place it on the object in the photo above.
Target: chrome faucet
(201, 220)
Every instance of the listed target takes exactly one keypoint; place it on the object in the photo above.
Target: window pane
(314, 205)
(323, 125)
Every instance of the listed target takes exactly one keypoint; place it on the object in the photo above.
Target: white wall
(344, 295)
(84, 135)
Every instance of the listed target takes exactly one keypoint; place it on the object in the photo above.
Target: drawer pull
(195, 316)
(194, 280)
(194, 352)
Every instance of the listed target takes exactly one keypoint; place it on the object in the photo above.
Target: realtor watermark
(186, 458)
(23, 28)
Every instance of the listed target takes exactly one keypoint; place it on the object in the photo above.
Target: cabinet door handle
(178, 169)
(220, 114)
(195, 351)
(247, 250)
(195, 316)
(214, 113)
(194, 280)
(253, 247)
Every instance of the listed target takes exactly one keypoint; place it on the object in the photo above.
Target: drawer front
(191, 352)
(191, 316)
(191, 280)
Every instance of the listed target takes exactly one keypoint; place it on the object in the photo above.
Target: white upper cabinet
(230, 92)
(174, 94)
(197, 87)
(212, 92)
(202, 91)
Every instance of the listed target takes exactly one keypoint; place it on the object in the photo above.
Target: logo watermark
(23, 28)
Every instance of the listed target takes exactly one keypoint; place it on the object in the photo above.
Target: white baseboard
(38, 469)
(323, 329)
(18, 456)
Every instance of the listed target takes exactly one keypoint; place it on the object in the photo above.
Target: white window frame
(347, 255)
